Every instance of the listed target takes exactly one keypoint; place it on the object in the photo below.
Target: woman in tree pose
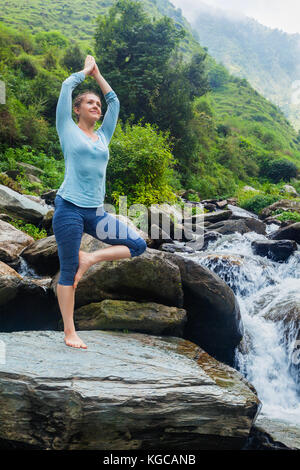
(79, 200)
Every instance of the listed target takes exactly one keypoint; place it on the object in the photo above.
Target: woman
(79, 200)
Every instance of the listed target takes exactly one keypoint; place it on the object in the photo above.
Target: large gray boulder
(214, 319)
(126, 391)
(18, 205)
(43, 255)
(291, 232)
(148, 277)
(143, 317)
(243, 225)
(12, 242)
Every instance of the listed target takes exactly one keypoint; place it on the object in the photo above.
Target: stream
(268, 293)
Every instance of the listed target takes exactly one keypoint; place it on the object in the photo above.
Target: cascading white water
(268, 293)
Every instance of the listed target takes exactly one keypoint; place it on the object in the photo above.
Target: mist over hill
(268, 58)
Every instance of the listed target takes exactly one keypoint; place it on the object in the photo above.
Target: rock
(18, 205)
(285, 311)
(172, 247)
(42, 254)
(222, 204)
(37, 199)
(203, 242)
(210, 207)
(6, 217)
(49, 196)
(189, 192)
(283, 204)
(272, 220)
(33, 179)
(287, 188)
(260, 439)
(291, 232)
(250, 188)
(212, 217)
(275, 250)
(126, 391)
(240, 225)
(169, 219)
(214, 320)
(232, 201)
(147, 317)
(209, 201)
(239, 213)
(46, 223)
(12, 242)
(286, 223)
(159, 236)
(31, 169)
(26, 304)
(9, 283)
(148, 278)
(281, 432)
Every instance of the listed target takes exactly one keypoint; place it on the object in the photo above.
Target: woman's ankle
(69, 330)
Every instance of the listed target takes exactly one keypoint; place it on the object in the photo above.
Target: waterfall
(268, 294)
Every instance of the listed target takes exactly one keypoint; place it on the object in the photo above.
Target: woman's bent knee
(139, 248)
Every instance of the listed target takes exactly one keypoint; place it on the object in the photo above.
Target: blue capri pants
(70, 221)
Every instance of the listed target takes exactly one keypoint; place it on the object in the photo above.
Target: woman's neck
(85, 127)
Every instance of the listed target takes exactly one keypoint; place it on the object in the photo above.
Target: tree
(73, 59)
(132, 53)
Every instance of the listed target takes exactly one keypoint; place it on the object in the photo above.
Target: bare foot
(85, 262)
(72, 339)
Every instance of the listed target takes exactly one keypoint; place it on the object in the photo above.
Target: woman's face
(90, 108)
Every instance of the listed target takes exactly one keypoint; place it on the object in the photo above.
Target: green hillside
(268, 58)
(205, 129)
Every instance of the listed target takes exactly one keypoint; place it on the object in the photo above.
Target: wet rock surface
(126, 391)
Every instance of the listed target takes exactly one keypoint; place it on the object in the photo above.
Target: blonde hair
(79, 98)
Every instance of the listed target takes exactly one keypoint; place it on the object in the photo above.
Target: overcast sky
(281, 14)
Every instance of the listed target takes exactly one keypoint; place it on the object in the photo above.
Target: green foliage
(133, 52)
(286, 215)
(25, 63)
(219, 138)
(73, 58)
(218, 76)
(140, 165)
(10, 183)
(53, 169)
(279, 169)
(48, 39)
(255, 203)
(30, 229)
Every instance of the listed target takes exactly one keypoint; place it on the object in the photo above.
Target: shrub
(279, 169)
(256, 203)
(286, 215)
(30, 229)
(26, 65)
(140, 165)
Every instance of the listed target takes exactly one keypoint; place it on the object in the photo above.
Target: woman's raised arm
(64, 104)
(113, 105)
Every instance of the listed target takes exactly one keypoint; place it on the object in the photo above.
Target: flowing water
(268, 293)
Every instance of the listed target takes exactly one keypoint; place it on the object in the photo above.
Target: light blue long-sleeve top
(85, 160)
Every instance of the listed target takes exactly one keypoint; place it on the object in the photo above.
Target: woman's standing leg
(68, 228)
(109, 229)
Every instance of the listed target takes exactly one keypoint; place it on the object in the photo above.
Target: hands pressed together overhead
(90, 66)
